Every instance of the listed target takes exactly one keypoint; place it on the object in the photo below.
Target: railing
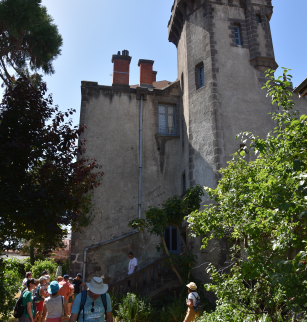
(146, 279)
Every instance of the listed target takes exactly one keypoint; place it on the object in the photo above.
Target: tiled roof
(159, 85)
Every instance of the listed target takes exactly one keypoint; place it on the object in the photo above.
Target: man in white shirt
(133, 264)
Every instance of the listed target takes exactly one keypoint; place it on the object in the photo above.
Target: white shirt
(132, 264)
(193, 296)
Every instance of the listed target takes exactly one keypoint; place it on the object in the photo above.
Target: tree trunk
(32, 253)
(172, 264)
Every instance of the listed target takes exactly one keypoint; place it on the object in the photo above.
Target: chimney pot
(121, 66)
(146, 72)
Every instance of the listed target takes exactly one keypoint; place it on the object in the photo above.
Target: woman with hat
(93, 308)
(55, 305)
(191, 301)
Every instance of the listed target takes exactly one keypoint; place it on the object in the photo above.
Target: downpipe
(140, 155)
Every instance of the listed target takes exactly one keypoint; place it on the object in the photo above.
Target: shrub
(42, 265)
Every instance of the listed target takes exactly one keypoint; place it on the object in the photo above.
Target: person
(55, 305)
(93, 308)
(133, 264)
(77, 283)
(28, 276)
(59, 279)
(27, 315)
(40, 295)
(66, 287)
(45, 273)
(191, 301)
(71, 295)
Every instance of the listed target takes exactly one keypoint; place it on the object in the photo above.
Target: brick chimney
(154, 76)
(121, 65)
(146, 72)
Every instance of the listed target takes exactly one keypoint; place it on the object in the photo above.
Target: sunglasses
(93, 307)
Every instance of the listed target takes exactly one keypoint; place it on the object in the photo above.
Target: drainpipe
(140, 156)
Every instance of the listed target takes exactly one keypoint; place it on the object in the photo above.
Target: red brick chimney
(146, 72)
(121, 65)
(154, 76)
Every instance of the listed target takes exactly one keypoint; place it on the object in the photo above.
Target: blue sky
(94, 30)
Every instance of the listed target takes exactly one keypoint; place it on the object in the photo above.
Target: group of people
(61, 299)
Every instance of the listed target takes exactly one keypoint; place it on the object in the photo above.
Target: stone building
(187, 127)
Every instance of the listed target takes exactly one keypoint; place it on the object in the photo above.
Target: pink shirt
(65, 290)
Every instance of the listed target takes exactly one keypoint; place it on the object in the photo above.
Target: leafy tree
(172, 212)
(262, 205)
(45, 183)
(29, 38)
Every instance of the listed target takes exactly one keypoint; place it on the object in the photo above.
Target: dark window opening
(237, 31)
(200, 76)
(172, 240)
(182, 84)
(167, 120)
(144, 278)
(151, 274)
(258, 18)
(184, 187)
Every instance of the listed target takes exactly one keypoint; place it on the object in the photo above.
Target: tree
(172, 212)
(28, 38)
(262, 205)
(45, 183)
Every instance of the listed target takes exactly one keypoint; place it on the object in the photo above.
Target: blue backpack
(83, 300)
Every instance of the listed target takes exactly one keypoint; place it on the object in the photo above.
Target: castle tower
(223, 49)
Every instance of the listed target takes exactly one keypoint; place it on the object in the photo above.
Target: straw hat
(192, 286)
(96, 286)
(53, 287)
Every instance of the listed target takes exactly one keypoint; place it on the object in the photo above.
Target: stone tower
(223, 49)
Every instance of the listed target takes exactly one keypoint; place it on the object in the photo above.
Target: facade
(188, 128)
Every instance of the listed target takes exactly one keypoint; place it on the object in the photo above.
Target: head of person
(66, 277)
(53, 288)
(28, 275)
(47, 278)
(192, 287)
(97, 287)
(78, 277)
(70, 280)
(45, 273)
(31, 283)
(59, 279)
(42, 280)
(130, 255)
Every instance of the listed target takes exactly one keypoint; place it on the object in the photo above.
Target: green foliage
(261, 205)
(133, 309)
(29, 38)
(42, 265)
(42, 186)
(65, 266)
(10, 283)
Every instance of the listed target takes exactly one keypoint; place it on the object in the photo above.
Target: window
(184, 187)
(172, 240)
(167, 120)
(200, 76)
(238, 35)
(258, 18)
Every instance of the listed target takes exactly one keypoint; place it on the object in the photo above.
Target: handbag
(64, 317)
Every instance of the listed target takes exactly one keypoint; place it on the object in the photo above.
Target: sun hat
(96, 286)
(66, 277)
(42, 278)
(192, 286)
(53, 287)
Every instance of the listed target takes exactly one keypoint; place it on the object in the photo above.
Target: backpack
(198, 305)
(19, 308)
(37, 297)
(83, 300)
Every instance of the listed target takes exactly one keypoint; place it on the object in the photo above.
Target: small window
(200, 71)
(237, 31)
(182, 84)
(167, 120)
(172, 240)
(184, 187)
(258, 18)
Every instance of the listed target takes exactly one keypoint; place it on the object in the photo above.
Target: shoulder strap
(82, 303)
(62, 305)
(104, 302)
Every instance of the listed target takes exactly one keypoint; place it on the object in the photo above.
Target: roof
(301, 89)
(159, 85)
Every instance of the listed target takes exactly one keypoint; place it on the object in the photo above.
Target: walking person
(28, 276)
(71, 295)
(27, 302)
(39, 298)
(65, 287)
(55, 305)
(93, 304)
(133, 264)
(77, 283)
(191, 301)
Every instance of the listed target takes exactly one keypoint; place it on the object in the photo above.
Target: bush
(42, 265)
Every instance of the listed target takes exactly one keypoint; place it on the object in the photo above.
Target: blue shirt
(97, 315)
